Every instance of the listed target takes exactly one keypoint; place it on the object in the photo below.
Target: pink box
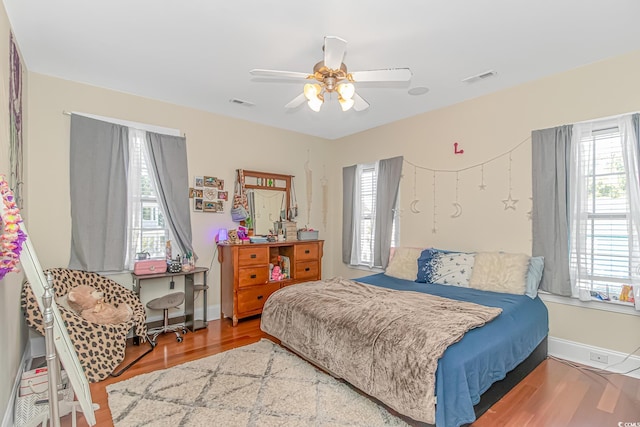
(150, 266)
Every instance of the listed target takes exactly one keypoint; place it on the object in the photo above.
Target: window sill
(594, 305)
(372, 270)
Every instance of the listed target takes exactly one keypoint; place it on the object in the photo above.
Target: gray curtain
(348, 189)
(551, 149)
(388, 186)
(635, 120)
(98, 182)
(168, 156)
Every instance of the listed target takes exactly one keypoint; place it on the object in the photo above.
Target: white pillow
(453, 268)
(404, 263)
(500, 272)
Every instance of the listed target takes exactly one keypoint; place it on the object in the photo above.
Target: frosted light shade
(312, 91)
(346, 104)
(346, 90)
(315, 104)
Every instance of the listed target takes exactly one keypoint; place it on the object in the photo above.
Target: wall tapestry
(15, 123)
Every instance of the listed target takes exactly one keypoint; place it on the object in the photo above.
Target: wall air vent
(241, 102)
(481, 76)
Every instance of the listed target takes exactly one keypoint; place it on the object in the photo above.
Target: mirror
(267, 207)
(269, 197)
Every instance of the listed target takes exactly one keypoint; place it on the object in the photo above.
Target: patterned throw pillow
(452, 268)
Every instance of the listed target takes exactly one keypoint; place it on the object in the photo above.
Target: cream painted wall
(487, 127)
(216, 146)
(13, 334)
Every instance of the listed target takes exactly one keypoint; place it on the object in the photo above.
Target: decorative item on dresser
(245, 272)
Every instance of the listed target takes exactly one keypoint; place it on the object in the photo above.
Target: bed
(472, 373)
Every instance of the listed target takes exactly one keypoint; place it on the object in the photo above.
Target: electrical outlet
(599, 357)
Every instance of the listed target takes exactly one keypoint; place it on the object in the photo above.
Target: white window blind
(602, 261)
(368, 188)
(365, 216)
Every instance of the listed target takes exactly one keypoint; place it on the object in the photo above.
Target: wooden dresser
(244, 273)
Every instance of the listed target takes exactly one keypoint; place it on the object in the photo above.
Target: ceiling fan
(332, 77)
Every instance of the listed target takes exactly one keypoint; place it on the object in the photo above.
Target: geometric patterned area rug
(261, 384)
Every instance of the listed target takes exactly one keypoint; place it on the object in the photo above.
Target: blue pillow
(445, 267)
(423, 262)
(534, 275)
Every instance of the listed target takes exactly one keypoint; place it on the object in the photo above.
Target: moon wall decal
(413, 207)
(458, 211)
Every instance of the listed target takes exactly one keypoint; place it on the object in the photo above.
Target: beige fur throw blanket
(384, 342)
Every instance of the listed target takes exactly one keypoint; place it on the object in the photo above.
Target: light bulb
(346, 90)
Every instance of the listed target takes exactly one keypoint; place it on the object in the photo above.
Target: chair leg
(152, 345)
(166, 327)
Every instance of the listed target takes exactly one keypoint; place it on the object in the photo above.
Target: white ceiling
(198, 53)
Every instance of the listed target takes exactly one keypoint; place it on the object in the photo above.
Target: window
(115, 203)
(147, 229)
(604, 250)
(365, 216)
(367, 178)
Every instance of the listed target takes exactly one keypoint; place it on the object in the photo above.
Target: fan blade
(276, 73)
(334, 49)
(388, 75)
(296, 101)
(359, 103)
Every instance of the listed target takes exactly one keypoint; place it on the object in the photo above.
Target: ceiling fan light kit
(332, 76)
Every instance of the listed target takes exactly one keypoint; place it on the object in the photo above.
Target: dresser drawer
(253, 298)
(253, 256)
(305, 252)
(306, 270)
(249, 276)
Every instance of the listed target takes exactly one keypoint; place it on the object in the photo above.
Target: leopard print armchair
(100, 348)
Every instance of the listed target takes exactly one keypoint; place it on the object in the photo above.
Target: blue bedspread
(484, 355)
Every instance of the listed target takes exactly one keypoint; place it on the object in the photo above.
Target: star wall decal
(510, 203)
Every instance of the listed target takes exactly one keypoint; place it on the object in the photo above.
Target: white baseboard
(581, 353)
(7, 419)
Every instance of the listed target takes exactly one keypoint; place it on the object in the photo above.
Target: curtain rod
(69, 113)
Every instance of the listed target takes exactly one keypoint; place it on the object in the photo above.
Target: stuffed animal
(105, 313)
(276, 273)
(83, 297)
(233, 237)
(627, 293)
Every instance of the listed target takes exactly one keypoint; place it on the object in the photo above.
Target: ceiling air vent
(241, 102)
(481, 76)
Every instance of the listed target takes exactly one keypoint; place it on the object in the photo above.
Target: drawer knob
(253, 256)
(253, 276)
(307, 269)
(307, 251)
(259, 296)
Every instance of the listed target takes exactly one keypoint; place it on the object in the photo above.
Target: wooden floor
(555, 394)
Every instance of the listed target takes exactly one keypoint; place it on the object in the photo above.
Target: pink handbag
(150, 266)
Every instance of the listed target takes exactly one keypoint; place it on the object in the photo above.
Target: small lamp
(222, 235)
